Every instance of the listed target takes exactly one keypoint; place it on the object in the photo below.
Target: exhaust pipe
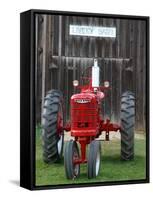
(95, 74)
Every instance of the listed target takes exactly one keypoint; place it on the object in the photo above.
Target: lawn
(112, 168)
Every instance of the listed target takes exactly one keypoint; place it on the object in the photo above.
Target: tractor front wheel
(127, 125)
(71, 155)
(94, 158)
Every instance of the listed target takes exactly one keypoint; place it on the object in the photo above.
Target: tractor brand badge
(82, 100)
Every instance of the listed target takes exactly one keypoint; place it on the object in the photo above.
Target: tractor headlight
(106, 84)
(75, 83)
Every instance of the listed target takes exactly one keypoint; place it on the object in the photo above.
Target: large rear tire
(52, 123)
(127, 125)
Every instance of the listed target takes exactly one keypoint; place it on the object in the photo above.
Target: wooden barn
(61, 56)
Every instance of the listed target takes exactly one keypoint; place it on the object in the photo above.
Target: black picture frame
(27, 99)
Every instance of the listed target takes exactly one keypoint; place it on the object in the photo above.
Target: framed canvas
(84, 99)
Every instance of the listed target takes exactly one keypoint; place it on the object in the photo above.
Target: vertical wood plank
(43, 61)
(37, 71)
(60, 67)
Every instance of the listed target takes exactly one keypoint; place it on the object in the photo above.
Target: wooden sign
(94, 31)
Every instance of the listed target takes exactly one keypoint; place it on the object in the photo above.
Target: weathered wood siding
(61, 58)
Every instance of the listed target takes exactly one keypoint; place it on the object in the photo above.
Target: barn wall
(61, 58)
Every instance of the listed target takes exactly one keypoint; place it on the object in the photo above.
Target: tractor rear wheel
(94, 157)
(52, 124)
(127, 125)
(71, 154)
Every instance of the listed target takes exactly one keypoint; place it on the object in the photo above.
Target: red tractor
(86, 125)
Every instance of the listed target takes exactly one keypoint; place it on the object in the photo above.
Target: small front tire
(94, 159)
(71, 154)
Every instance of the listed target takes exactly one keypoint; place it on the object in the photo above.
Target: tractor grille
(83, 116)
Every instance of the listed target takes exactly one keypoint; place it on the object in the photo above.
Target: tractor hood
(87, 97)
(83, 97)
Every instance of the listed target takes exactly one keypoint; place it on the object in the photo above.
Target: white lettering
(94, 31)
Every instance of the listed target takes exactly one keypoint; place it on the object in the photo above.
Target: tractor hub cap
(97, 163)
(75, 166)
(60, 121)
(59, 144)
(60, 129)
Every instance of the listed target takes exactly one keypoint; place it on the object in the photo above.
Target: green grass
(112, 168)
